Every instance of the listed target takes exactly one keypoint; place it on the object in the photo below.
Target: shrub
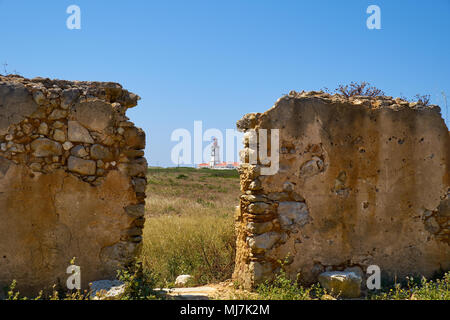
(139, 285)
(415, 289)
(359, 89)
(423, 99)
(283, 288)
(13, 294)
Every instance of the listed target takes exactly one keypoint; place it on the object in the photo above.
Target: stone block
(78, 133)
(43, 147)
(341, 283)
(81, 166)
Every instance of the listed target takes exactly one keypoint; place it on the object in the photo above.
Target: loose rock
(344, 284)
(183, 280)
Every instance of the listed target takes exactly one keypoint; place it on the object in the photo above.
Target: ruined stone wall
(361, 181)
(72, 181)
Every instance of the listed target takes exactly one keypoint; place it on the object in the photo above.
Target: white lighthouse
(215, 159)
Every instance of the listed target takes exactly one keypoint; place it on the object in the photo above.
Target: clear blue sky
(217, 60)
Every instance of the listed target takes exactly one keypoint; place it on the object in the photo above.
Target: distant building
(215, 154)
(220, 166)
(214, 162)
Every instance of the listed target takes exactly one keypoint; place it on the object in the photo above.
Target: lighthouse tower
(214, 154)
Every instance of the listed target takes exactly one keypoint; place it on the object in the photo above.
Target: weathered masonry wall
(362, 181)
(72, 181)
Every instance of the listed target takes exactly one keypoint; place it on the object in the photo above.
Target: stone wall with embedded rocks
(72, 181)
(361, 181)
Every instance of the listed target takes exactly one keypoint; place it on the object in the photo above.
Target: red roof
(203, 165)
(222, 164)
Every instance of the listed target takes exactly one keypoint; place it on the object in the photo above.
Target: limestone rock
(95, 115)
(107, 290)
(134, 168)
(288, 186)
(59, 135)
(132, 232)
(344, 284)
(17, 103)
(79, 151)
(259, 227)
(248, 155)
(19, 148)
(356, 270)
(183, 280)
(67, 145)
(255, 185)
(68, 97)
(43, 147)
(43, 128)
(136, 210)
(278, 196)
(57, 114)
(99, 152)
(81, 166)
(139, 184)
(39, 113)
(118, 255)
(264, 241)
(254, 197)
(27, 128)
(39, 97)
(292, 212)
(77, 133)
(35, 166)
(261, 271)
(247, 122)
(132, 153)
(135, 138)
(311, 167)
(58, 124)
(258, 207)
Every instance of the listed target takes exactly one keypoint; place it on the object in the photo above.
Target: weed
(357, 89)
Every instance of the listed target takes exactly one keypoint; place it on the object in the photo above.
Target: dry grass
(190, 227)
